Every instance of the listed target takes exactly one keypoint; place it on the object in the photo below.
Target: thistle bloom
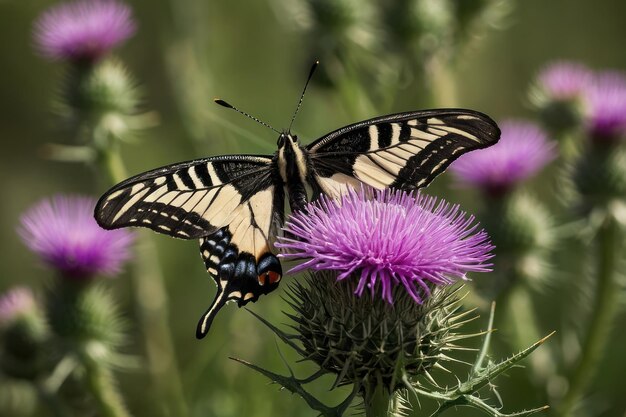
(563, 80)
(522, 151)
(605, 100)
(63, 232)
(395, 239)
(84, 30)
(14, 302)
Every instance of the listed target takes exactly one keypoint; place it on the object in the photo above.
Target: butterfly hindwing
(239, 276)
(405, 150)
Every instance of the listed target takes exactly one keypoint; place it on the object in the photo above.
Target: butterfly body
(235, 204)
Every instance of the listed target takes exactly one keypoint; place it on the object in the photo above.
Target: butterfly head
(286, 138)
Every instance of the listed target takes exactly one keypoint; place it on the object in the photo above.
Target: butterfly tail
(206, 320)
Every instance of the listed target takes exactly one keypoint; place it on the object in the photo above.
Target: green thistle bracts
(105, 88)
(522, 231)
(366, 338)
(83, 314)
(385, 351)
(599, 177)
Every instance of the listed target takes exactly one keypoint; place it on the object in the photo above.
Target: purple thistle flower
(606, 105)
(397, 238)
(63, 232)
(84, 30)
(563, 80)
(16, 301)
(523, 150)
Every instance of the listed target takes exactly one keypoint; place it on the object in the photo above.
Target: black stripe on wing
(405, 150)
(186, 200)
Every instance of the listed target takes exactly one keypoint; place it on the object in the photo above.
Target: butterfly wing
(227, 202)
(404, 151)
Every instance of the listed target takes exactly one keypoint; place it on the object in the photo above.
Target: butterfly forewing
(405, 150)
(191, 199)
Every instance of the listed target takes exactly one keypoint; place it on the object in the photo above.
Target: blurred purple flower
(16, 301)
(606, 105)
(63, 232)
(523, 150)
(396, 238)
(563, 80)
(84, 30)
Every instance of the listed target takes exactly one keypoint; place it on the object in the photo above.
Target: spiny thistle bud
(365, 339)
(557, 94)
(334, 16)
(599, 179)
(23, 332)
(100, 91)
(83, 315)
(424, 23)
(522, 231)
(334, 29)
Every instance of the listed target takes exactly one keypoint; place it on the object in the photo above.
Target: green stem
(112, 165)
(100, 383)
(525, 329)
(377, 401)
(605, 306)
(151, 304)
(52, 401)
(440, 76)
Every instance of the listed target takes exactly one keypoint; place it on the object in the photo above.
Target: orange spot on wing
(270, 277)
(274, 277)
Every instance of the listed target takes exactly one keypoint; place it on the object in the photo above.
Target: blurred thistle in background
(64, 234)
(518, 223)
(83, 31)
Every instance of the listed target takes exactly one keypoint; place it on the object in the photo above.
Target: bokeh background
(255, 54)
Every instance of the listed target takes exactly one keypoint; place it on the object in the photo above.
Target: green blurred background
(187, 52)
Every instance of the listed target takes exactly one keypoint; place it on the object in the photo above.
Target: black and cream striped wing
(404, 151)
(193, 199)
(230, 203)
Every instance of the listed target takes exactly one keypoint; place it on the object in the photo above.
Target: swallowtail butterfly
(234, 204)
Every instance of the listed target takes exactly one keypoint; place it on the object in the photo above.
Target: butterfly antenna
(313, 67)
(230, 106)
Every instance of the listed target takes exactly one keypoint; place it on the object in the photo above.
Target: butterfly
(234, 205)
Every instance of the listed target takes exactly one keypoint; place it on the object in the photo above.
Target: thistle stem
(151, 303)
(52, 401)
(605, 305)
(112, 165)
(100, 383)
(377, 401)
(525, 329)
(441, 78)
